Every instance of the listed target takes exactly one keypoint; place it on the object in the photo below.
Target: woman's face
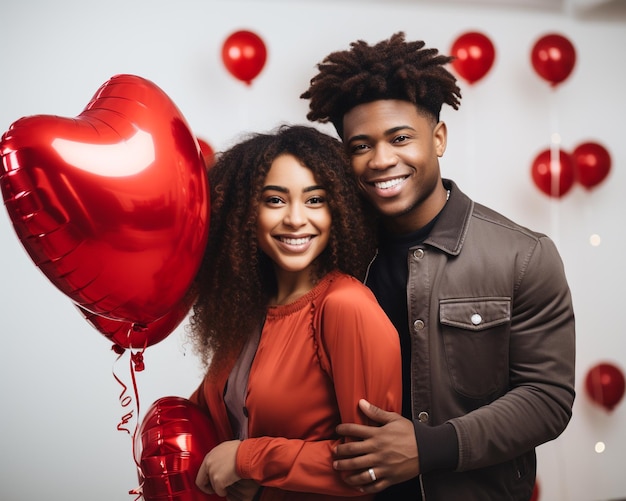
(294, 221)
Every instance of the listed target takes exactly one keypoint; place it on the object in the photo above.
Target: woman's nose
(295, 216)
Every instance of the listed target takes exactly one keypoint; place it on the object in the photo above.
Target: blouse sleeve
(363, 352)
(359, 349)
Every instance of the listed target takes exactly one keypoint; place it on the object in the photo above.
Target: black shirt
(388, 279)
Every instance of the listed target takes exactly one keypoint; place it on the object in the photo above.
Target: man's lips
(387, 187)
(387, 183)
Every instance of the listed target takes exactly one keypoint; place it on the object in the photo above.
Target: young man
(481, 303)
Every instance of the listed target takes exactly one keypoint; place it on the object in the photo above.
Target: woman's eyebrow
(282, 189)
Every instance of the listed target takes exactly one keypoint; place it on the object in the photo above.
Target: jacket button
(423, 417)
(418, 253)
(418, 325)
(476, 319)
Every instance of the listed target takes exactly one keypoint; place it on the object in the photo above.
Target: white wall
(60, 402)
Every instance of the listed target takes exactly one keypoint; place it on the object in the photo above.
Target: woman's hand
(244, 490)
(218, 470)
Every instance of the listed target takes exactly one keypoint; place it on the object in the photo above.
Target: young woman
(292, 339)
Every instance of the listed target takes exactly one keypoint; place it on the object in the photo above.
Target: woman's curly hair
(236, 278)
(391, 69)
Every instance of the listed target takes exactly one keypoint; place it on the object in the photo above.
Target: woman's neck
(292, 286)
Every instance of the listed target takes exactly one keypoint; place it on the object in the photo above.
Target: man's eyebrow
(388, 132)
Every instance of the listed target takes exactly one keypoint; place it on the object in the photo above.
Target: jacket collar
(451, 227)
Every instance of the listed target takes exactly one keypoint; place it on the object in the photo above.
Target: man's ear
(440, 138)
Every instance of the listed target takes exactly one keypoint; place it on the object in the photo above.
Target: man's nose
(384, 157)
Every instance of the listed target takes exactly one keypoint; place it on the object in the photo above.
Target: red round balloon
(207, 153)
(553, 57)
(111, 205)
(244, 55)
(133, 336)
(554, 182)
(536, 492)
(592, 163)
(474, 55)
(174, 437)
(605, 385)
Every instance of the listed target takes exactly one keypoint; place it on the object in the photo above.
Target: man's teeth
(295, 241)
(383, 185)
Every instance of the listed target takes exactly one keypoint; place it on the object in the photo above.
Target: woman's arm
(359, 349)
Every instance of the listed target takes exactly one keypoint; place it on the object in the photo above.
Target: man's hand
(387, 453)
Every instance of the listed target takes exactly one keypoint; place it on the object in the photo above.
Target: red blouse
(316, 358)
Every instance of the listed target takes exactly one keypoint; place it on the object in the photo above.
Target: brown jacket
(493, 344)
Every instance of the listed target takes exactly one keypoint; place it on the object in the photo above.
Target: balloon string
(555, 162)
(471, 150)
(136, 364)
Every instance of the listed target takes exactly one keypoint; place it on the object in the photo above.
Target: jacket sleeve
(538, 405)
(359, 349)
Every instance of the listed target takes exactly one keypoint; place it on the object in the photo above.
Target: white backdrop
(60, 402)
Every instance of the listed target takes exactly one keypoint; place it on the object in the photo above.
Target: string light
(595, 240)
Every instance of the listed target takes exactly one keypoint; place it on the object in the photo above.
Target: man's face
(394, 151)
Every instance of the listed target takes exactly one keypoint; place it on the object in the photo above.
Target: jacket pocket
(476, 343)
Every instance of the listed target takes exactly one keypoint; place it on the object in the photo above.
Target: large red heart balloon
(174, 437)
(553, 180)
(129, 335)
(111, 205)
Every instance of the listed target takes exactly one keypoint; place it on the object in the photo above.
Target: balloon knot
(138, 361)
(117, 349)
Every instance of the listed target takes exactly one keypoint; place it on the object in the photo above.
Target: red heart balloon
(592, 163)
(474, 55)
(129, 335)
(553, 181)
(111, 205)
(174, 436)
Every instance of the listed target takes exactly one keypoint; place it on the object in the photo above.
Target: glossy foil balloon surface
(555, 179)
(605, 385)
(129, 335)
(174, 436)
(244, 54)
(553, 58)
(592, 162)
(474, 55)
(111, 205)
